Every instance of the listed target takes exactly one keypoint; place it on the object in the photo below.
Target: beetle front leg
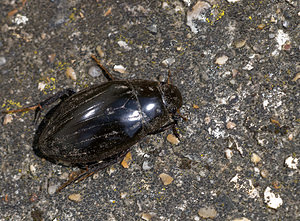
(38, 107)
(166, 127)
(60, 95)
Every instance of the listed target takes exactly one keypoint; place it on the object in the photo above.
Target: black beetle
(96, 127)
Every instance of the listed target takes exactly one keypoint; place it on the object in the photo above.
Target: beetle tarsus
(107, 74)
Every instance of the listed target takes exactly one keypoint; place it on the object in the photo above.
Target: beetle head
(171, 97)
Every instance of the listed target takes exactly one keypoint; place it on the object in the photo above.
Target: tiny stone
(41, 86)
(291, 163)
(207, 212)
(296, 77)
(120, 68)
(264, 173)
(123, 195)
(147, 165)
(228, 154)
(71, 73)
(95, 176)
(124, 45)
(172, 139)
(271, 199)
(76, 197)
(127, 160)
(168, 62)
(146, 216)
(240, 43)
(255, 158)
(32, 169)
(7, 119)
(2, 61)
(241, 219)
(221, 60)
(152, 28)
(230, 125)
(166, 179)
(64, 176)
(100, 51)
(52, 189)
(95, 71)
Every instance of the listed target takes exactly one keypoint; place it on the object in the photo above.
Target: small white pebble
(41, 86)
(228, 154)
(271, 200)
(291, 162)
(120, 68)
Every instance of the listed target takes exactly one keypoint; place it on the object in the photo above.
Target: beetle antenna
(107, 74)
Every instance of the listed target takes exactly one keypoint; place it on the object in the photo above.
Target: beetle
(95, 127)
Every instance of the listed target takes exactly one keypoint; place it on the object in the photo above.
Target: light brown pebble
(240, 43)
(207, 212)
(146, 216)
(241, 219)
(127, 160)
(7, 119)
(261, 26)
(100, 51)
(76, 197)
(173, 139)
(230, 125)
(166, 179)
(296, 77)
(255, 158)
(221, 60)
(228, 154)
(264, 173)
(71, 73)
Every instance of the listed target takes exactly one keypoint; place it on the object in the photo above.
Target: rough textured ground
(236, 66)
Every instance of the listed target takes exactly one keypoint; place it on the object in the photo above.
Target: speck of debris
(166, 179)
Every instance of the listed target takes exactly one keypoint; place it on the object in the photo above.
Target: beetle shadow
(40, 129)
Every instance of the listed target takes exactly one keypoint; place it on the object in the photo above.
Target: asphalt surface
(236, 64)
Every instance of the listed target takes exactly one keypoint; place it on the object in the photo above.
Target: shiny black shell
(105, 120)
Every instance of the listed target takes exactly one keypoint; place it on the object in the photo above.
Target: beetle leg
(60, 95)
(107, 74)
(91, 169)
(164, 128)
